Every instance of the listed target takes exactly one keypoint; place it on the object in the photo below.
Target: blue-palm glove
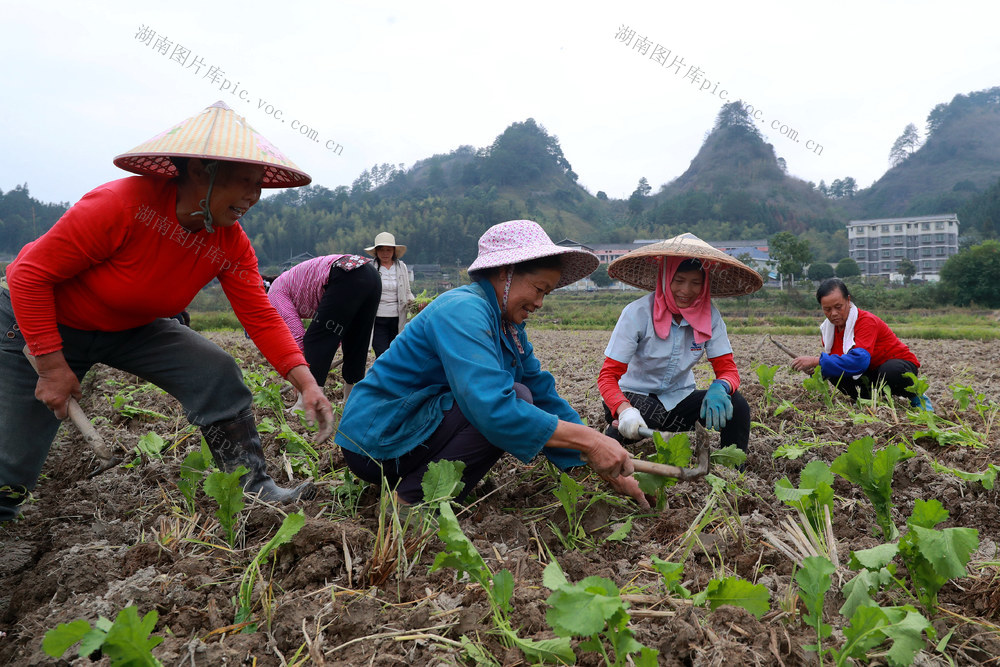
(716, 407)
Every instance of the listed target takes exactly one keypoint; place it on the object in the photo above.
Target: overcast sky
(400, 81)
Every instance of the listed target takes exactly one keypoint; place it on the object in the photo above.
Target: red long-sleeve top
(612, 371)
(118, 259)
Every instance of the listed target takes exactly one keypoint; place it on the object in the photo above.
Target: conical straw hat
(220, 133)
(728, 275)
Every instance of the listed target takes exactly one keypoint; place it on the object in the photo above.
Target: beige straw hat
(386, 239)
(220, 133)
(728, 275)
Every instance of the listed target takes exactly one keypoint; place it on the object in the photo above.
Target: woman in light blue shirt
(647, 380)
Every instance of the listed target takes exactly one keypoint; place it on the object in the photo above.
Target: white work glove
(629, 423)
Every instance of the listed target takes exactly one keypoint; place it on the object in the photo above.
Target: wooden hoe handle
(79, 418)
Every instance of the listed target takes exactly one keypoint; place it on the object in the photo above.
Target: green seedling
(462, 555)
(225, 488)
(244, 609)
(671, 575)
(622, 532)
(570, 494)
(871, 626)
(593, 608)
(877, 408)
(918, 386)
(932, 557)
(404, 530)
(735, 591)
(676, 452)
(817, 385)
(946, 433)
(730, 456)
(302, 456)
(795, 450)
(765, 375)
(192, 470)
(122, 401)
(152, 445)
(346, 490)
(813, 502)
(442, 481)
(126, 642)
(815, 491)
(784, 406)
(987, 479)
(873, 473)
(964, 394)
(814, 581)
(419, 303)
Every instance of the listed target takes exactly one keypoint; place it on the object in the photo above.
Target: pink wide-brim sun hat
(517, 241)
(217, 133)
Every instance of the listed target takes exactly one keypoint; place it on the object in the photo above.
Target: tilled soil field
(335, 595)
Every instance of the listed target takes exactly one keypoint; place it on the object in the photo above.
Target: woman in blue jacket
(461, 382)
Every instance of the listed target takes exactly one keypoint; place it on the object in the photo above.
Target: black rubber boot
(10, 502)
(236, 443)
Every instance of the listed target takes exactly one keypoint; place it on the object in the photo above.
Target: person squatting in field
(103, 285)
(396, 294)
(860, 351)
(647, 379)
(340, 293)
(461, 382)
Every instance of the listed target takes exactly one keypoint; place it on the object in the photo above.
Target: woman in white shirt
(396, 294)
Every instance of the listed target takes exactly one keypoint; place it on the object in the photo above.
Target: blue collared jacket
(454, 352)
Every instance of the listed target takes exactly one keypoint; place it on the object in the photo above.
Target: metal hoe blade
(683, 474)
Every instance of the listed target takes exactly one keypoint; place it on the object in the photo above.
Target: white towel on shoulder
(827, 330)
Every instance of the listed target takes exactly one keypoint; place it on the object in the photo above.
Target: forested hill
(23, 219)
(737, 188)
(958, 158)
(439, 207)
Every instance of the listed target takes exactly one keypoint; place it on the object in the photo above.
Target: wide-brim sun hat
(217, 133)
(728, 276)
(517, 241)
(386, 239)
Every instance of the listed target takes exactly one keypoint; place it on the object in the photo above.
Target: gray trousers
(195, 371)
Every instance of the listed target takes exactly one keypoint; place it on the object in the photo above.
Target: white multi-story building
(879, 245)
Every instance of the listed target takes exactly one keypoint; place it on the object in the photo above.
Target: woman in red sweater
(103, 284)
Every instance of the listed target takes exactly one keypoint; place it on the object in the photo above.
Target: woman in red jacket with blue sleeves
(860, 351)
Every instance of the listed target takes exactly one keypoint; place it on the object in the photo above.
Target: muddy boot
(10, 502)
(236, 443)
(347, 390)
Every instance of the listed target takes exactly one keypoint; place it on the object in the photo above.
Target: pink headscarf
(698, 315)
